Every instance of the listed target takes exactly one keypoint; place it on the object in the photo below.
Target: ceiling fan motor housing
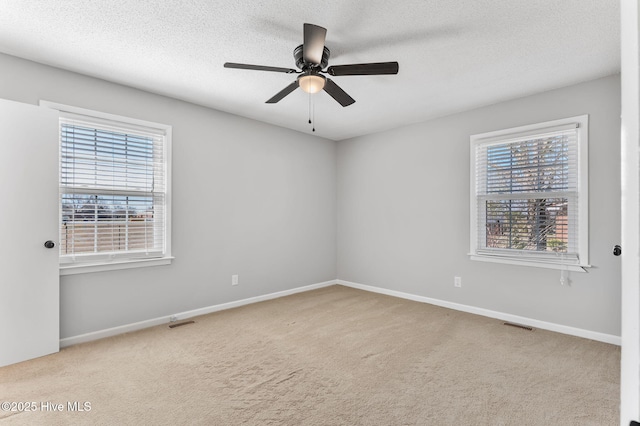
(304, 66)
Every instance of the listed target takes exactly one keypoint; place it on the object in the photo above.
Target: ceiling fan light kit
(311, 83)
(311, 58)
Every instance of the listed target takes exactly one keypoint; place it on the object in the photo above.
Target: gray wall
(248, 199)
(267, 203)
(403, 212)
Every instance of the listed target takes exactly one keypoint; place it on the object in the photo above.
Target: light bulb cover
(311, 83)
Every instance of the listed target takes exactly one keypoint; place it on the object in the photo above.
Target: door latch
(617, 250)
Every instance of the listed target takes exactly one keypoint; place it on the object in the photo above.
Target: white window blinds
(527, 195)
(112, 190)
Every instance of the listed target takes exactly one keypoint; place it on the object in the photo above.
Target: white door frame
(630, 205)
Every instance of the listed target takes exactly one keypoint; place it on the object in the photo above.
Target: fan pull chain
(309, 108)
(312, 113)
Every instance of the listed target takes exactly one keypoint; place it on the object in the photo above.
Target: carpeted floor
(334, 356)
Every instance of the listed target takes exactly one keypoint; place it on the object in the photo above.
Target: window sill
(85, 268)
(534, 264)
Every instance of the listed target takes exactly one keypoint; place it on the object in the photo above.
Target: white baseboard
(587, 334)
(83, 338)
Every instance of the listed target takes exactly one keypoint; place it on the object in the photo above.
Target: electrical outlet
(457, 281)
(234, 280)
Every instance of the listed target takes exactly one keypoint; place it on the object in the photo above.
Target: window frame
(532, 258)
(99, 262)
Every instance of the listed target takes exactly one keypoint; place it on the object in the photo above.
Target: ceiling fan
(311, 58)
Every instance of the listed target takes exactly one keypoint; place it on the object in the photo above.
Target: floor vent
(524, 327)
(181, 323)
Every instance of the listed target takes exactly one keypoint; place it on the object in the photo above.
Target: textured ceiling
(453, 55)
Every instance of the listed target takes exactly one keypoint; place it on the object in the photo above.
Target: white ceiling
(453, 55)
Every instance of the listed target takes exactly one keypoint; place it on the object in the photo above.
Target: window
(529, 195)
(114, 191)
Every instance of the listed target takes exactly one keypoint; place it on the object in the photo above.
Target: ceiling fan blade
(284, 92)
(313, 48)
(377, 68)
(337, 93)
(258, 68)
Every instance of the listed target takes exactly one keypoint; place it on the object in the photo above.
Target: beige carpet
(334, 356)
